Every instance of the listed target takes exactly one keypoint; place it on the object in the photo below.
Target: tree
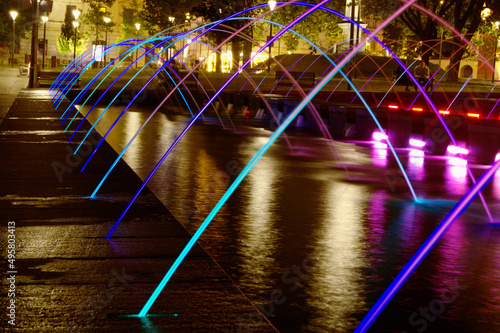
(23, 24)
(216, 10)
(66, 40)
(320, 27)
(67, 29)
(311, 27)
(66, 46)
(130, 17)
(463, 15)
(95, 16)
(156, 13)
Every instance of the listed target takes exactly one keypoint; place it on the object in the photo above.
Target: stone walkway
(66, 276)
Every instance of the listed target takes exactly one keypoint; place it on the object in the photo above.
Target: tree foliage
(155, 13)
(320, 27)
(23, 23)
(94, 17)
(66, 46)
(66, 40)
(67, 29)
(463, 15)
(130, 17)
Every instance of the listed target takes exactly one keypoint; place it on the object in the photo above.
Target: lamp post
(171, 19)
(76, 13)
(45, 18)
(271, 4)
(106, 21)
(441, 43)
(33, 70)
(13, 14)
(497, 25)
(441, 48)
(137, 27)
(75, 25)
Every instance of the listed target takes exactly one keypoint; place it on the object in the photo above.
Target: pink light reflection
(380, 145)
(457, 161)
(416, 153)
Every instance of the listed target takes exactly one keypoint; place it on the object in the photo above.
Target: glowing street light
(13, 14)
(271, 4)
(76, 14)
(45, 18)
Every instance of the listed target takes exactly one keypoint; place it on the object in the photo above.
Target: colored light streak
(68, 81)
(395, 107)
(478, 183)
(380, 145)
(165, 64)
(240, 177)
(371, 77)
(425, 248)
(473, 115)
(261, 152)
(378, 136)
(439, 19)
(494, 106)
(458, 34)
(176, 141)
(417, 153)
(417, 143)
(444, 112)
(201, 111)
(429, 101)
(131, 102)
(457, 150)
(458, 171)
(196, 117)
(87, 87)
(457, 161)
(418, 109)
(306, 4)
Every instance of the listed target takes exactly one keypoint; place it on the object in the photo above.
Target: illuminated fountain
(149, 46)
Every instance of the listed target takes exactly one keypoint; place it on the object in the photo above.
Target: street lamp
(441, 42)
(75, 25)
(45, 18)
(137, 27)
(271, 4)
(106, 21)
(497, 24)
(76, 13)
(13, 14)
